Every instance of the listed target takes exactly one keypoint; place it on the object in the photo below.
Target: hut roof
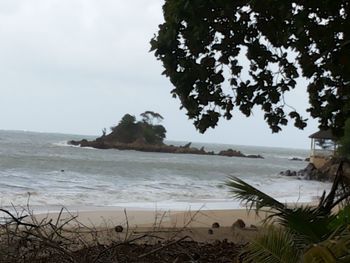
(326, 134)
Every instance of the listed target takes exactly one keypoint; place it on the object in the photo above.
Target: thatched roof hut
(323, 135)
(323, 147)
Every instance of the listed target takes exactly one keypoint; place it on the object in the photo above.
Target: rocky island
(147, 135)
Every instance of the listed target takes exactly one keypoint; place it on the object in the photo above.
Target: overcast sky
(77, 66)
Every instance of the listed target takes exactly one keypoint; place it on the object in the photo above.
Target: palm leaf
(309, 223)
(319, 254)
(275, 245)
(251, 196)
(325, 236)
(339, 193)
(335, 249)
(312, 224)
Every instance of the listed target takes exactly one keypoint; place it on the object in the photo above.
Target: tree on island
(223, 54)
(129, 130)
(153, 134)
(150, 116)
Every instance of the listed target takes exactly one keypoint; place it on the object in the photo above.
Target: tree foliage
(275, 246)
(325, 144)
(129, 130)
(153, 134)
(344, 148)
(223, 54)
(150, 116)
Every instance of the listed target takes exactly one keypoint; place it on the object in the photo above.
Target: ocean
(42, 170)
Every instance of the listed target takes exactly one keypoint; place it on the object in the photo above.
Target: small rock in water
(295, 159)
(289, 173)
(239, 224)
(210, 231)
(119, 229)
(256, 156)
(215, 225)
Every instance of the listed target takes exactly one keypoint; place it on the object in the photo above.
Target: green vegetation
(221, 55)
(145, 131)
(304, 233)
(325, 144)
(344, 149)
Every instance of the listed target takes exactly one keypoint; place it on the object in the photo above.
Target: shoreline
(146, 217)
(161, 218)
(205, 226)
(101, 224)
(148, 206)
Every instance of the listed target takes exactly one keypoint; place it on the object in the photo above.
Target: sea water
(42, 170)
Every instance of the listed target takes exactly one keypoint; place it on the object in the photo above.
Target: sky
(77, 66)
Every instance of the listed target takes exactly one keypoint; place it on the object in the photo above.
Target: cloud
(77, 66)
(90, 36)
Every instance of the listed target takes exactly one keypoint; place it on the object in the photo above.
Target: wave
(14, 186)
(66, 144)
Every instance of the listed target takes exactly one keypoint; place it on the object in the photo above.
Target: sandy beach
(131, 235)
(201, 226)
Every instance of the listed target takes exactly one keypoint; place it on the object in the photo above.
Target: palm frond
(335, 249)
(252, 197)
(275, 245)
(319, 254)
(339, 193)
(310, 224)
(341, 218)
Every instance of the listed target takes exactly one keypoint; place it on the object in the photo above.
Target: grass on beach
(25, 237)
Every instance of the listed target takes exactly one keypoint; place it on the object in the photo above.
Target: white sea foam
(66, 144)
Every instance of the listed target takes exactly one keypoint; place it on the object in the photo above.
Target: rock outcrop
(138, 145)
(231, 153)
(326, 173)
(288, 173)
(234, 153)
(296, 159)
(255, 156)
